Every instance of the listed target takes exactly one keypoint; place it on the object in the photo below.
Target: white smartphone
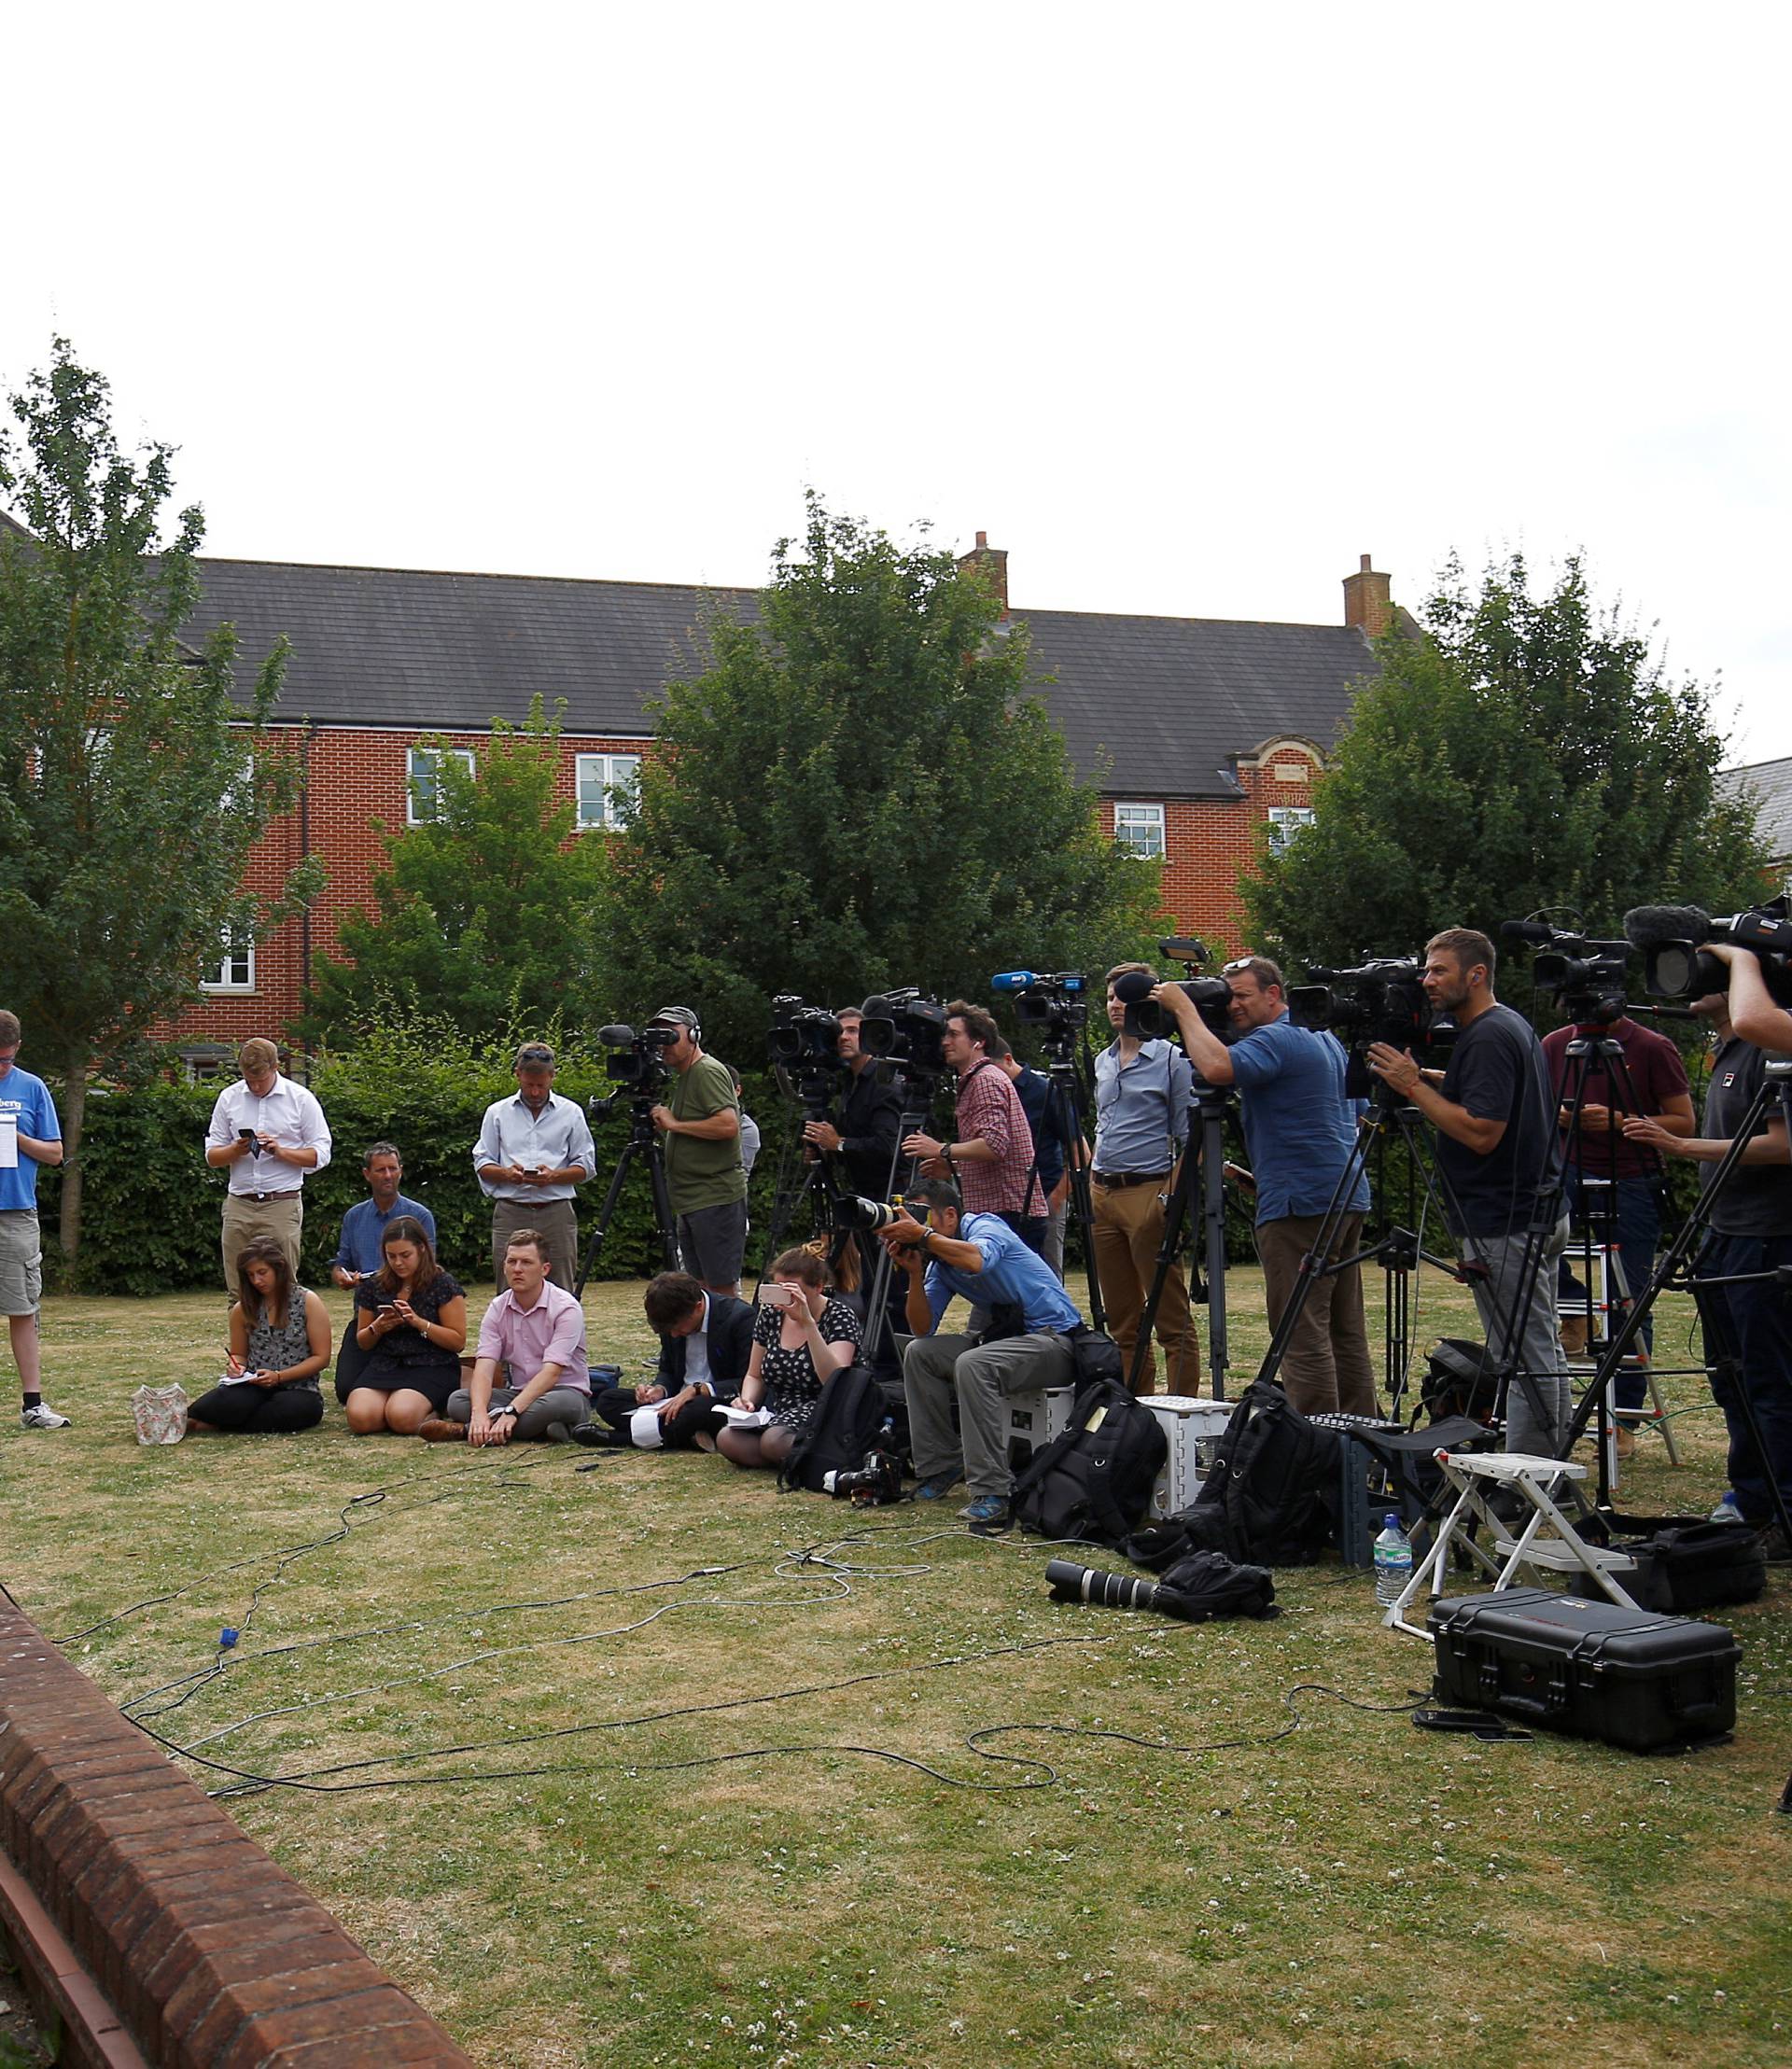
(774, 1295)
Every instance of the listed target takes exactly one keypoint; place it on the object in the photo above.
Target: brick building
(1204, 731)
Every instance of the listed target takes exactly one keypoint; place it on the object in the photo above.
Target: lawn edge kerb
(151, 1927)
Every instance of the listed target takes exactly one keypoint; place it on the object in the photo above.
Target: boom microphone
(1132, 986)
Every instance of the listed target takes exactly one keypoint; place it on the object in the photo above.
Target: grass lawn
(510, 1683)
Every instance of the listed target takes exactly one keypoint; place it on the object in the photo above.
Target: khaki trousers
(281, 1218)
(554, 1221)
(1327, 1367)
(1127, 1226)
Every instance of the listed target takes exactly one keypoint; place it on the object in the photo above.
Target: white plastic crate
(1192, 1425)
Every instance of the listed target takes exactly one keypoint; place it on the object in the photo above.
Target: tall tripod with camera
(636, 1065)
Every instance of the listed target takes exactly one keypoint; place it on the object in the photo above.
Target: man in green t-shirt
(701, 1123)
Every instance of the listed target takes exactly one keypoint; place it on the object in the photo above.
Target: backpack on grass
(846, 1420)
(1267, 1499)
(1095, 1480)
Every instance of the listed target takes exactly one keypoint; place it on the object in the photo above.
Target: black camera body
(907, 1028)
(1147, 1021)
(637, 1062)
(1381, 999)
(1676, 964)
(1585, 976)
(803, 1034)
(1054, 1004)
(876, 1483)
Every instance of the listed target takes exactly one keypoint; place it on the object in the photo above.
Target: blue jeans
(1638, 1230)
(1748, 1341)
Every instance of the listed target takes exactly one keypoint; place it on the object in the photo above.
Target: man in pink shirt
(532, 1338)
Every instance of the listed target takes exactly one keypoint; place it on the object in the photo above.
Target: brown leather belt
(1117, 1182)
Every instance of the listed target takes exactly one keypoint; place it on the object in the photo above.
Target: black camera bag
(1694, 1566)
(1461, 1379)
(1094, 1481)
(1267, 1499)
(846, 1421)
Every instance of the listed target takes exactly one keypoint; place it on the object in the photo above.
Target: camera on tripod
(1147, 1021)
(1585, 977)
(1055, 1003)
(803, 1044)
(637, 1062)
(1673, 939)
(1381, 999)
(905, 1028)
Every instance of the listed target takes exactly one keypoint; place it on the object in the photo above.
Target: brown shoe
(1575, 1332)
(440, 1429)
(1626, 1440)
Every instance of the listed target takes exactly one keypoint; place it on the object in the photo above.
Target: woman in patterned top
(279, 1343)
(801, 1339)
(410, 1319)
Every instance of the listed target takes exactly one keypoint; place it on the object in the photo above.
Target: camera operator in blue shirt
(980, 1257)
(1299, 1129)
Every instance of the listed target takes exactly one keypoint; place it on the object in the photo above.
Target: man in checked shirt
(990, 1155)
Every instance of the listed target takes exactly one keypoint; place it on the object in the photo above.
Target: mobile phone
(777, 1297)
(384, 1306)
(246, 1135)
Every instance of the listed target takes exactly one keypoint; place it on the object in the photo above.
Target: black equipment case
(1627, 1676)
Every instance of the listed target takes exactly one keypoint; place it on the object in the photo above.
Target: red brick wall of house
(357, 776)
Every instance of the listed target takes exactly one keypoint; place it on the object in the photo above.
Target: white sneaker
(43, 1416)
(1726, 1511)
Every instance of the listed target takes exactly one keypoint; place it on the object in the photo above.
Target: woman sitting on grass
(279, 1344)
(410, 1319)
(801, 1339)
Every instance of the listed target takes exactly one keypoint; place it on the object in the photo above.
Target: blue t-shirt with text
(1298, 1126)
(27, 1101)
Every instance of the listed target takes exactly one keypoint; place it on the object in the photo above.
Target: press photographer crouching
(1747, 1323)
(1299, 1129)
(981, 1258)
(1498, 1159)
(706, 1341)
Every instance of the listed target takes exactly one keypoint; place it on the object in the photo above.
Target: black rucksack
(846, 1420)
(1267, 1500)
(1094, 1481)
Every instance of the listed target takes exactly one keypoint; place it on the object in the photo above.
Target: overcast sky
(1187, 307)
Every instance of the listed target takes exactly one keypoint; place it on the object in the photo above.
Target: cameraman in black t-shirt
(1748, 1326)
(1498, 1155)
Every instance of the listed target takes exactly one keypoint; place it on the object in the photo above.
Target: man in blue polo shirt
(980, 1257)
(29, 1135)
(359, 1251)
(1299, 1129)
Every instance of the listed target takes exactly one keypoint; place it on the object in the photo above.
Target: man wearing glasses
(1300, 1129)
(29, 1135)
(266, 1132)
(533, 1148)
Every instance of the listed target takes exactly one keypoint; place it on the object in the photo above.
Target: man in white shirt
(266, 1132)
(534, 1148)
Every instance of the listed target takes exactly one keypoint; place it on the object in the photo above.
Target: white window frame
(1148, 821)
(1285, 821)
(221, 977)
(612, 814)
(420, 765)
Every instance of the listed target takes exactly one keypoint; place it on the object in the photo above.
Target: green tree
(859, 791)
(486, 914)
(1521, 754)
(132, 783)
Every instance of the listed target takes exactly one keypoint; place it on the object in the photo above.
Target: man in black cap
(701, 1124)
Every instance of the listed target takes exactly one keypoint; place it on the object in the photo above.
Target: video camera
(1055, 1003)
(1587, 977)
(1672, 939)
(635, 1062)
(802, 1034)
(1147, 1021)
(907, 1029)
(1381, 999)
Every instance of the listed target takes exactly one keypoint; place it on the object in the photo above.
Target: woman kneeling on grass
(279, 1344)
(801, 1339)
(410, 1319)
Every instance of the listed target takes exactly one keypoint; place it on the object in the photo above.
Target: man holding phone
(268, 1133)
(533, 1149)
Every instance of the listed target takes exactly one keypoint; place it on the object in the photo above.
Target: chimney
(1367, 602)
(992, 563)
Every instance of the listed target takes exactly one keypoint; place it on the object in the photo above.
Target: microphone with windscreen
(1672, 938)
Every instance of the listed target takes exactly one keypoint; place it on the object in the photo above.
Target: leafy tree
(488, 914)
(132, 785)
(1521, 753)
(857, 791)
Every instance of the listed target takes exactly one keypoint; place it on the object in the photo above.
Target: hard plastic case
(1627, 1676)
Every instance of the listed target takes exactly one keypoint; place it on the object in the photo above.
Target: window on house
(233, 970)
(1138, 831)
(1285, 821)
(606, 784)
(422, 792)
(205, 1061)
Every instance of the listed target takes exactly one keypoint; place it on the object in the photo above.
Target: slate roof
(1770, 783)
(1165, 703)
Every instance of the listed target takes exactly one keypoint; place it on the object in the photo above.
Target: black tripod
(643, 1146)
(1068, 1113)
(1205, 1155)
(1672, 1270)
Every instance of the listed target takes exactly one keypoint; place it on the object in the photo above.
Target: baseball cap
(676, 1017)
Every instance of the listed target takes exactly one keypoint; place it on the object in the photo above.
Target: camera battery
(1034, 1418)
(1191, 1426)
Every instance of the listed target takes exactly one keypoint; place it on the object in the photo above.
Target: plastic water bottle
(1393, 1562)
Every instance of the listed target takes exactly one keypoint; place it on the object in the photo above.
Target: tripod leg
(600, 1230)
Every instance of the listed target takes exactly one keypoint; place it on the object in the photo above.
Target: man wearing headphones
(701, 1124)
